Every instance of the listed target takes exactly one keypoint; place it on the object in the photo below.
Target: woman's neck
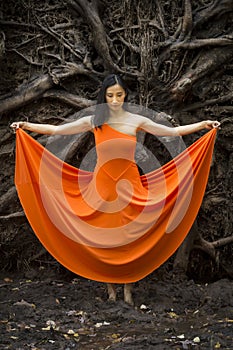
(116, 115)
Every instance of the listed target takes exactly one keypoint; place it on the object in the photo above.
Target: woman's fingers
(216, 124)
(16, 125)
(213, 124)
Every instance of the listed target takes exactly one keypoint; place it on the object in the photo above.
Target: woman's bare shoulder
(137, 119)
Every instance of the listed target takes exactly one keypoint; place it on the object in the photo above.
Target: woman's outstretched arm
(80, 125)
(162, 130)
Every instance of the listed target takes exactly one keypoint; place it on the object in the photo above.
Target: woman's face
(115, 97)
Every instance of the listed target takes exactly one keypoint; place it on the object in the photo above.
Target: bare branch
(223, 241)
(25, 94)
(216, 9)
(38, 255)
(187, 21)
(213, 101)
(36, 88)
(17, 24)
(71, 99)
(28, 41)
(28, 60)
(62, 40)
(90, 11)
(67, 70)
(205, 65)
(116, 30)
(161, 19)
(19, 214)
(7, 198)
(205, 246)
(198, 43)
(132, 47)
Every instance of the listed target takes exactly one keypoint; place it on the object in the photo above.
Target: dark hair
(101, 110)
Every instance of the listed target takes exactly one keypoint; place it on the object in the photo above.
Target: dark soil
(46, 309)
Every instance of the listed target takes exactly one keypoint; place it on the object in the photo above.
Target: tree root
(7, 198)
(207, 63)
(89, 10)
(36, 88)
(18, 214)
(214, 101)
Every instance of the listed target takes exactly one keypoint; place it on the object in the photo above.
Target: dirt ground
(46, 309)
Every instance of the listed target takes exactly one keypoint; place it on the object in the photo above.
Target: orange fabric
(111, 225)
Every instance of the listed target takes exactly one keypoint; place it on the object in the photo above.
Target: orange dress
(111, 225)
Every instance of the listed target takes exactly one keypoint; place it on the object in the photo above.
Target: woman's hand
(212, 124)
(16, 125)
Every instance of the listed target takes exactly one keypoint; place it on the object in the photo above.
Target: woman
(126, 217)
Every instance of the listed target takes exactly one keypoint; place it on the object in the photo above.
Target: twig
(161, 18)
(213, 101)
(69, 98)
(223, 241)
(198, 43)
(37, 64)
(27, 41)
(11, 216)
(38, 255)
(18, 24)
(61, 39)
(187, 21)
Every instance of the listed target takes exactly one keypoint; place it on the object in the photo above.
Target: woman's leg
(128, 293)
(111, 291)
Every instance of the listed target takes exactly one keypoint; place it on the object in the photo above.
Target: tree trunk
(176, 59)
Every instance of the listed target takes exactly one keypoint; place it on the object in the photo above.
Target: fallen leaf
(81, 313)
(196, 340)
(8, 280)
(173, 314)
(217, 345)
(23, 326)
(75, 281)
(50, 325)
(24, 303)
(4, 321)
(83, 331)
(115, 335)
(181, 336)
(99, 324)
(225, 320)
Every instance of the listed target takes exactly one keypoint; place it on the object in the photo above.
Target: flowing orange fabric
(111, 225)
